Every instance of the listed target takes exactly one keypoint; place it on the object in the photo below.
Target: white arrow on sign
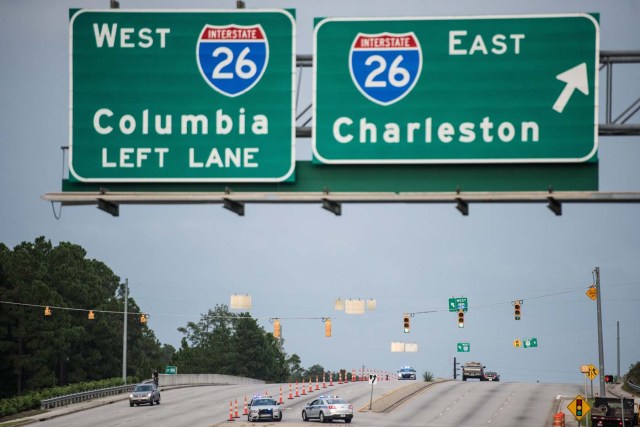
(575, 78)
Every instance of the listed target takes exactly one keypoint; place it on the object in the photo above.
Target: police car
(328, 408)
(407, 373)
(264, 408)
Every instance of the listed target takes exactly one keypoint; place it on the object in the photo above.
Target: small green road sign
(464, 347)
(182, 96)
(457, 304)
(171, 370)
(490, 89)
(530, 342)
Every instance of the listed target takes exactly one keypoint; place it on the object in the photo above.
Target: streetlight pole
(603, 391)
(124, 332)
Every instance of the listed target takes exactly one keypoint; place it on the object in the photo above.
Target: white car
(328, 408)
(264, 408)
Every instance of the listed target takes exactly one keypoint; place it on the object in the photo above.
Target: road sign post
(182, 96)
(495, 89)
(373, 379)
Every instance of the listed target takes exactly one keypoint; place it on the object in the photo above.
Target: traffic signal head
(405, 321)
(461, 319)
(608, 378)
(47, 311)
(578, 407)
(327, 328)
(91, 315)
(516, 310)
(276, 328)
(143, 318)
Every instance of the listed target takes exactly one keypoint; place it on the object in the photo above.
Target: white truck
(473, 370)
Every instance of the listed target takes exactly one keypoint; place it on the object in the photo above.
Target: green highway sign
(530, 342)
(489, 89)
(464, 347)
(182, 95)
(170, 370)
(457, 304)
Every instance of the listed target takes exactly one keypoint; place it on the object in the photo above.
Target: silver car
(144, 393)
(264, 408)
(328, 408)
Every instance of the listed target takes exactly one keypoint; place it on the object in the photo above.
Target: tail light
(350, 406)
(332, 407)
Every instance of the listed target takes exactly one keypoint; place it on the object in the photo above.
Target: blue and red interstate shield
(232, 58)
(386, 66)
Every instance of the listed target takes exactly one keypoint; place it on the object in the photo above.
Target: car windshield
(143, 387)
(336, 401)
(406, 370)
(264, 402)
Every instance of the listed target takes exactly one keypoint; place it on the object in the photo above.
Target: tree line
(39, 351)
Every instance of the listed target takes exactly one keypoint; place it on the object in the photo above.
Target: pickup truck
(609, 411)
(473, 370)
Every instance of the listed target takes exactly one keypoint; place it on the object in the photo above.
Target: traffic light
(143, 318)
(327, 328)
(276, 328)
(91, 315)
(608, 378)
(47, 311)
(516, 309)
(578, 407)
(405, 321)
(460, 318)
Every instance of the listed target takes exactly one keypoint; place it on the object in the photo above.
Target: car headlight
(149, 395)
(131, 396)
(254, 411)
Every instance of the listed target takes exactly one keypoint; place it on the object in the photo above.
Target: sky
(295, 260)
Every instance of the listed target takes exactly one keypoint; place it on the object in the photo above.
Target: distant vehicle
(146, 392)
(608, 411)
(473, 370)
(407, 373)
(264, 408)
(328, 408)
(491, 376)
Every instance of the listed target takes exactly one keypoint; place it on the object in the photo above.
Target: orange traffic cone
(236, 415)
(317, 386)
(324, 380)
(245, 411)
(297, 394)
(230, 410)
(304, 389)
(340, 378)
(310, 386)
(290, 392)
(281, 395)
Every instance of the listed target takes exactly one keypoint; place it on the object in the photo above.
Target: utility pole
(618, 376)
(124, 332)
(603, 391)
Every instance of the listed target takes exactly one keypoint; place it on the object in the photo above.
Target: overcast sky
(295, 260)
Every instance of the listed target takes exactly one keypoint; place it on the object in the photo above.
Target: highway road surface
(442, 404)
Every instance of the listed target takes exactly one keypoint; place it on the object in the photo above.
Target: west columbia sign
(182, 96)
(503, 89)
(200, 96)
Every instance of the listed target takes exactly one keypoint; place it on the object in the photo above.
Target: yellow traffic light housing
(327, 327)
(47, 311)
(91, 315)
(143, 318)
(461, 319)
(406, 324)
(276, 328)
(516, 309)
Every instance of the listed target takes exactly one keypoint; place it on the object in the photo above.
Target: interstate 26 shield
(232, 58)
(385, 66)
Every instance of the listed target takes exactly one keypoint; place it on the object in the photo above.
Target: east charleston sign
(505, 89)
(182, 96)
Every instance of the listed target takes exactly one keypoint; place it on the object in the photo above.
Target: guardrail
(86, 395)
(633, 386)
(164, 381)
